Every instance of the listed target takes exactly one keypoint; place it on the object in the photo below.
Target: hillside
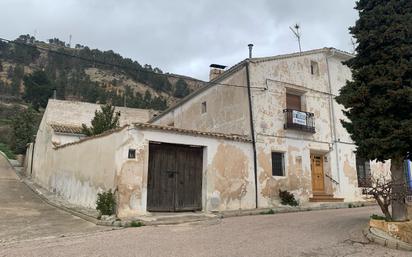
(90, 75)
(83, 74)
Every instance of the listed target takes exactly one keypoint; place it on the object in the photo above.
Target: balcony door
(293, 102)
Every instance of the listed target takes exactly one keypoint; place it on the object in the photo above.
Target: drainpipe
(252, 131)
(332, 117)
(32, 156)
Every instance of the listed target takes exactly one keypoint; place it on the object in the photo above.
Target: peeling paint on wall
(231, 168)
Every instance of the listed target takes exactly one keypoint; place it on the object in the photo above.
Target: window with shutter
(293, 102)
(277, 164)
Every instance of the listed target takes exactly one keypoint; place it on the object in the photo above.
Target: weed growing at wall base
(287, 198)
(106, 203)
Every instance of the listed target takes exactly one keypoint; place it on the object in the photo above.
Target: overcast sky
(183, 37)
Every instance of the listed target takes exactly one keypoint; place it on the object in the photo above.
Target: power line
(121, 66)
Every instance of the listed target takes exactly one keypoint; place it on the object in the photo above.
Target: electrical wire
(168, 75)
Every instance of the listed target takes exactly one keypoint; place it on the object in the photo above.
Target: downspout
(32, 156)
(332, 117)
(252, 131)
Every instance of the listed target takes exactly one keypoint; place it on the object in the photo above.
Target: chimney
(250, 50)
(215, 71)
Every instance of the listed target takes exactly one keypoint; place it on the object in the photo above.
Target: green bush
(270, 211)
(6, 150)
(287, 198)
(106, 203)
(136, 224)
(377, 217)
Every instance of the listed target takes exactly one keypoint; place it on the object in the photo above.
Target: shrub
(287, 198)
(270, 211)
(377, 217)
(136, 224)
(106, 203)
(6, 150)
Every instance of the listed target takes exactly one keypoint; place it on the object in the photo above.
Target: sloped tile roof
(234, 137)
(67, 129)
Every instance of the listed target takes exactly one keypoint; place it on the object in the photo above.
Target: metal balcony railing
(299, 120)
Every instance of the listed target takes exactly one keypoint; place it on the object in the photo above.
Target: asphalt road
(315, 233)
(24, 216)
(30, 227)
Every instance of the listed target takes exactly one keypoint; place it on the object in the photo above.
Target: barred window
(363, 170)
(278, 167)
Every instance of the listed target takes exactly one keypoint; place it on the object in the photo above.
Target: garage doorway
(174, 178)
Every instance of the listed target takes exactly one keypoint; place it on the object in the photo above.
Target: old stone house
(262, 125)
(300, 144)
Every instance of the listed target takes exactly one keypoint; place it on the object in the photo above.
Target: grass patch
(136, 224)
(270, 211)
(6, 150)
(377, 217)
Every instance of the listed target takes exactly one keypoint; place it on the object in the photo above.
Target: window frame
(282, 159)
(314, 71)
(363, 172)
(203, 107)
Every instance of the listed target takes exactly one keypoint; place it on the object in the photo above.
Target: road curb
(389, 242)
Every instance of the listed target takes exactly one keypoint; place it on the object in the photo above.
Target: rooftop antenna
(295, 31)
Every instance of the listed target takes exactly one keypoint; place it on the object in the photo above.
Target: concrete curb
(389, 241)
(288, 209)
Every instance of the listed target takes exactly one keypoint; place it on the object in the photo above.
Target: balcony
(298, 120)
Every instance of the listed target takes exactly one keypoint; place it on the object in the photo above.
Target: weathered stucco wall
(227, 171)
(227, 108)
(77, 113)
(77, 172)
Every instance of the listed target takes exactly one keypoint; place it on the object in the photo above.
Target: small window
(204, 107)
(278, 167)
(363, 170)
(132, 153)
(314, 68)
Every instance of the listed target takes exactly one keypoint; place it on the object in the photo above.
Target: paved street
(316, 233)
(24, 216)
(29, 227)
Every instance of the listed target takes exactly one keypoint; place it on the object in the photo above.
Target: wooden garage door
(175, 178)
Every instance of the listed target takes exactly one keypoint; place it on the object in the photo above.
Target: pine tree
(104, 120)
(379, 99)
(24, 129)
(37, 89)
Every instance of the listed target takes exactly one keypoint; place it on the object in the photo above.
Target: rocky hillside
(91, 75)
(76, 73)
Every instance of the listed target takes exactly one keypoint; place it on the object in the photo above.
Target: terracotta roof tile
(234, 137)
(63, 128)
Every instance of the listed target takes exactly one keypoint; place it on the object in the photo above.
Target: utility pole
(295, 31)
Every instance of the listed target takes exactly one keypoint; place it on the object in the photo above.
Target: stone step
(317, 198)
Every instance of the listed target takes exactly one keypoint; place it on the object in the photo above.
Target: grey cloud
(184, 36)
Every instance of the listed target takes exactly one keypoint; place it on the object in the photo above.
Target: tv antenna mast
(296, 32)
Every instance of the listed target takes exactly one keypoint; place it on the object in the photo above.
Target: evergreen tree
(181, 89)
(379, 99)
(24, 126)
(38, 89)
(104, 120)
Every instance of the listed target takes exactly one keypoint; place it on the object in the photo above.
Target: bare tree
(380, 187)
